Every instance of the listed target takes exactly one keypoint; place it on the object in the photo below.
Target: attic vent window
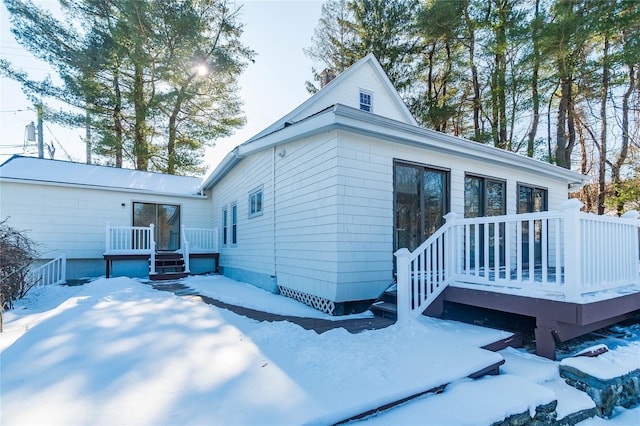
(365, 101)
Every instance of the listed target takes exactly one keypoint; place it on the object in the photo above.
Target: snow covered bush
(17, 252)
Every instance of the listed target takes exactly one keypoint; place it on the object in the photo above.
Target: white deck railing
(198, 240)
(141, 240)
(130, 239)
(566, 252)
(53, 272)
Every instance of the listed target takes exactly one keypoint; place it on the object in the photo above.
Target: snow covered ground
(119, 352)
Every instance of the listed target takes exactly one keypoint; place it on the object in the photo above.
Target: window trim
(225, 225)
(534, 187)
(361, 104)
(259, 193)
(485, 178)
(234, 224)
(155, 221)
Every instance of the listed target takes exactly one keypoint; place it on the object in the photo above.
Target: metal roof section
(64, 173)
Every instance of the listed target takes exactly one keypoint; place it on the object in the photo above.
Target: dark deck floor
(555, 321)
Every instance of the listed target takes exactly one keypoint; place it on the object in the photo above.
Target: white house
(317, 203)
(65, 206)
(337, 200)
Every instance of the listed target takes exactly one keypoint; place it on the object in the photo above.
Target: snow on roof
(68, 173)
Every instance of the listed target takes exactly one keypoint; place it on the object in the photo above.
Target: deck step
(168, 266)
(386, 306)
(168, 276)
(385, 310)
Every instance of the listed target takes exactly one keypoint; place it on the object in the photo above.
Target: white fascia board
(310, 126)
(99, 188)
(228, 162)
(349, 119)
(315, 124)
(317, 97)
(364, 123)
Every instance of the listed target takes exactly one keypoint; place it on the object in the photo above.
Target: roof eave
(349, 119)
(98, 187)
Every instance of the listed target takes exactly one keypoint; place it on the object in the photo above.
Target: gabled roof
(64, 173)
(327, 96)
(340, 117)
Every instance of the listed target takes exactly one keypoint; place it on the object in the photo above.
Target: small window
(365, 101)
(255, 203)
(224, 226)
(234, 224)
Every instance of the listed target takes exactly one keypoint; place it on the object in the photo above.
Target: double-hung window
(234, 224)
(366, 101)
(225, 225)
(255, 202)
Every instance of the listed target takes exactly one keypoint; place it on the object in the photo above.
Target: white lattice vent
(319, 303)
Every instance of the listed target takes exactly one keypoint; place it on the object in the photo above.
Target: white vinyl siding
(72, 220)
(331, 231)
(254, 248)
(348, 94)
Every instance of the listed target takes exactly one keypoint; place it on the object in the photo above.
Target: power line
(59, 144)
(17, 110)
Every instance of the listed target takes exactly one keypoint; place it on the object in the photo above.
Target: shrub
(17, 252)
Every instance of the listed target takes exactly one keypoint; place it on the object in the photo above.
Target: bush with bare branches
(17, 252)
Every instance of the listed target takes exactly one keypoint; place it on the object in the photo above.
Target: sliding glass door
(165, 217)
(421, 200)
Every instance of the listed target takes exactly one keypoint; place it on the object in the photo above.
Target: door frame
(447, 194)
(155, 222)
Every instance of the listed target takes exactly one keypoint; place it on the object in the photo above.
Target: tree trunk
(117, 119)
(501, 72)
(140, 141)
(603, 126)
(535, 96)
(561, 125)
(624, 148)
(477, 106)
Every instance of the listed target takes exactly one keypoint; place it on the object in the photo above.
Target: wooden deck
(555, 321)
(110, 258)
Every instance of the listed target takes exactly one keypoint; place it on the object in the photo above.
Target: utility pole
(40, 135)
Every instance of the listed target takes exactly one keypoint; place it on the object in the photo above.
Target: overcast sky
(271, 87)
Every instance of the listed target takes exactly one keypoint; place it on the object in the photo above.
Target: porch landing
(110, 258)
(556, 320)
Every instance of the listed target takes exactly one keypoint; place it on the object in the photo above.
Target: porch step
(168, 276)
(386, 306)
(169, 266)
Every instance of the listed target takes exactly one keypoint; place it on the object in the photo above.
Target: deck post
(185, 250)
(451, 242)
(572, 247)
(152, 247)
(403, 285)
(108, 240)
(63, 267)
